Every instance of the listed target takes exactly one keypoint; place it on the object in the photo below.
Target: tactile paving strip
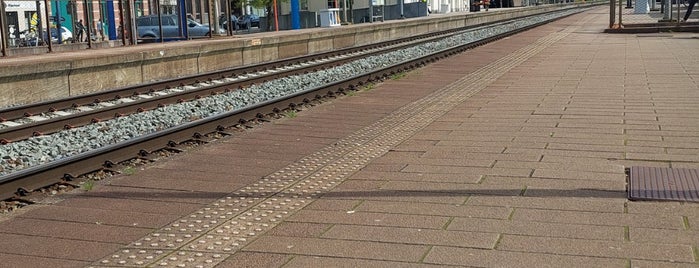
(228, 224)
(655, 183)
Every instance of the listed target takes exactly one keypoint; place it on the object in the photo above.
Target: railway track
(53, 116)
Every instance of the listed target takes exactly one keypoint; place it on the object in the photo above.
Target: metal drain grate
(653, 183)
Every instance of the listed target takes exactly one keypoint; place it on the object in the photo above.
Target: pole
(121, 22)
(48, 25)
(160, 21)
(295, 15)
(402, 16)
(88, 23)
(230, 27)
(611, 14)
(620, 23)
(3, 34)
(276, 16)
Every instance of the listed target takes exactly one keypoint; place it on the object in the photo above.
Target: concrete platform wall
(58, 75)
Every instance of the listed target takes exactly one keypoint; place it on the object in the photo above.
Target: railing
(628, 13)
(40, 26)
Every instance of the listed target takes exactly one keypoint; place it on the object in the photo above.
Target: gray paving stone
(597, 248)
(498, 258)
(413, 236)
(338, 248)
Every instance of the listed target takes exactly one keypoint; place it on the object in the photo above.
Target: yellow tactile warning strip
(655, 183)
(210, 235)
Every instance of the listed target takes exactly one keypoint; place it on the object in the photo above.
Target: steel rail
(16, 112)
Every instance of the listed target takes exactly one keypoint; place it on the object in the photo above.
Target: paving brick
(299, 229)
(598, 166)
(664, 236)
(74, 230)
(119, 192)
(662, 157)
(369, 218)
(314, 261)
(338, 248)
(161, 182)
(567, 153)
(604, 148)
(520, 172)
(550, 203)
(418, 177)
(578, 175)
(497, 258)
(99, 216)
(414, 158)
(555, 184)
(488, 156)
(450, 210)
(58, 248)
(132, 205)
(437, 189)
(544, 229)
(333, 204)
(20, 260)
(659, 264)
(254, 259)
(412, 236)
(664, 208)
(600, 218)
(597, 248)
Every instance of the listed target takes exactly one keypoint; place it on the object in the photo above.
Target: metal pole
(121, 22)
(88, 23)
(208, 10)
(230, 27)
(48, 25)
(611, 14)
(402, 16)
(130, 21)
(620, 8)
(3, 34)
(276, 17)
(160, 20)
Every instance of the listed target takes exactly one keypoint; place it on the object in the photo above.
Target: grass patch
(368, 87)
(290, 114)
(128, 171)
(511, 215)
(523, 191)
(685, 222)
(497, 242)
(627, 235)
(87, 185)
(398, 76)
(447, 223)
(351, 93)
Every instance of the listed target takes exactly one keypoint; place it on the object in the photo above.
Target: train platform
(512, 154)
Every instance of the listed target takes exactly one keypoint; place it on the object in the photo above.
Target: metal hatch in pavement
(671, 184)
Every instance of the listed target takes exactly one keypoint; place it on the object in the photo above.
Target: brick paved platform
(509, 155)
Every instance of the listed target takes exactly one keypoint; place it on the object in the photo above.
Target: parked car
(250, 20)
(66, 36)
(148, 29)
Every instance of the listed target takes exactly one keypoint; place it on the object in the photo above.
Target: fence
(39, 26)
(626, 13)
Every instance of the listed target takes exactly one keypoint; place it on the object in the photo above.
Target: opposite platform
(510, 155)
